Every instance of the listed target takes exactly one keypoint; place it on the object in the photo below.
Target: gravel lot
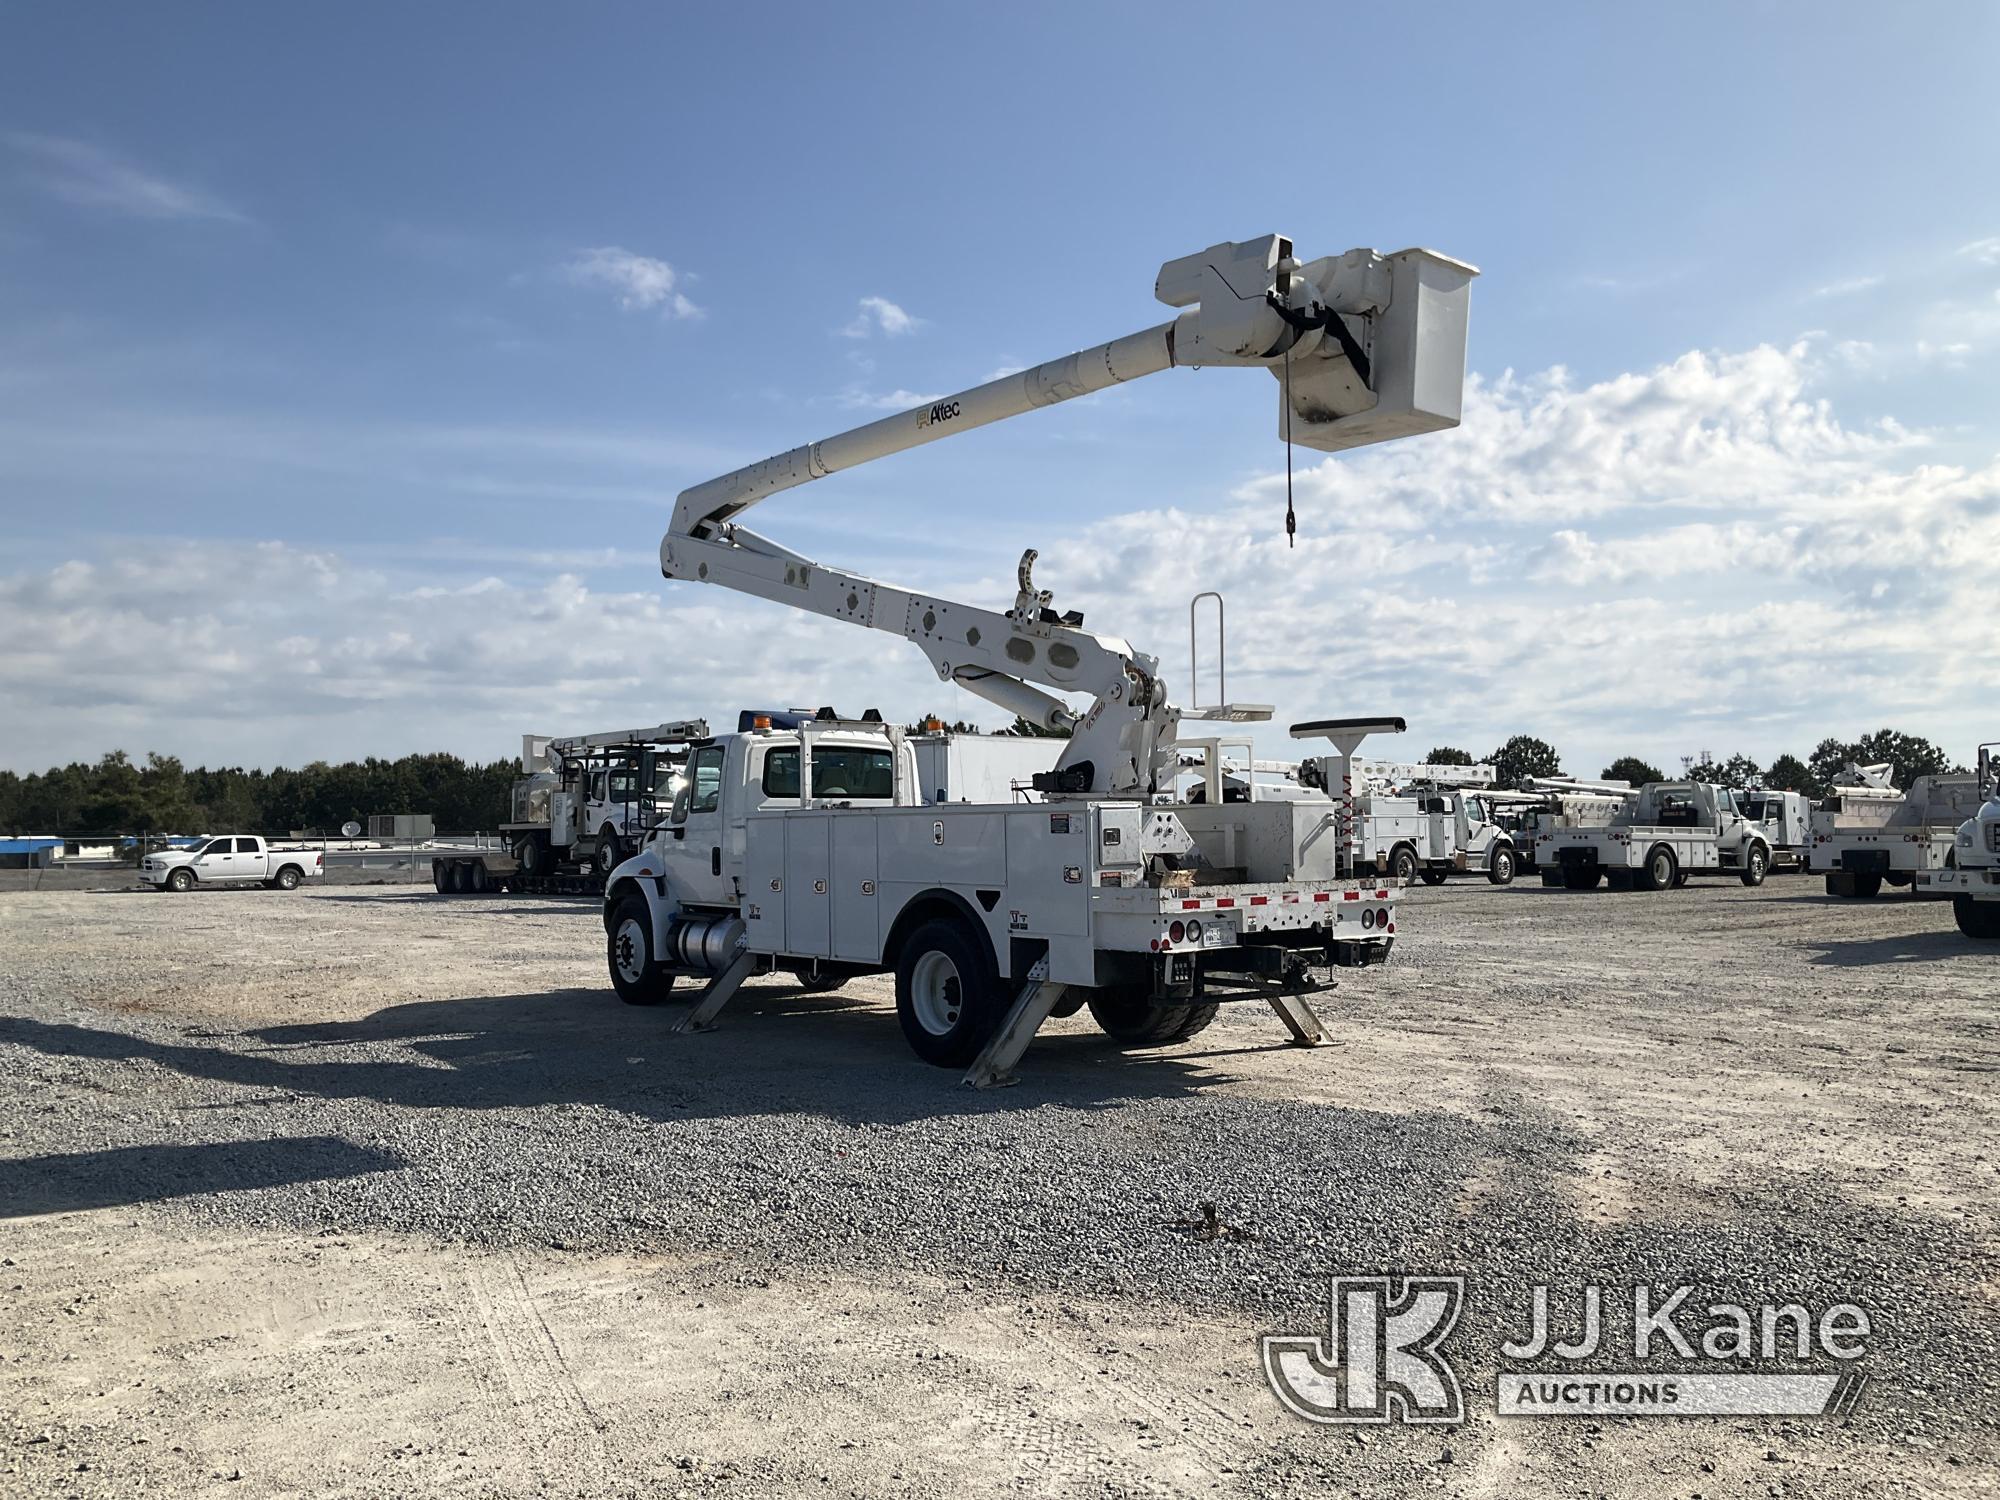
(367, 1192)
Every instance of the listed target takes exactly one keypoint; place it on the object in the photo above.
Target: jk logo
(1379, 1357)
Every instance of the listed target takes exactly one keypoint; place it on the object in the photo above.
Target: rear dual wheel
(1130, 1016)
(1661, 870)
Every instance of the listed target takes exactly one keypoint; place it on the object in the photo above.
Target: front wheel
(1977, 919)
(608, 855)
(1756, 865)
(181, 880)
(948, 999)
(635, 971)
(1500, 867)
(1132, 1018)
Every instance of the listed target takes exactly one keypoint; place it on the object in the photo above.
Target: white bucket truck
(1866, 833)
(1110, 892)
(1972, 879)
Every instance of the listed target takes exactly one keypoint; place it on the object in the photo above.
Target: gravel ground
(365, 1191)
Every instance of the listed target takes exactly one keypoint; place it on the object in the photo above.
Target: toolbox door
(808, 905)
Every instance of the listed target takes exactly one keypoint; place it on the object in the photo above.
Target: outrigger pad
(1314, 729)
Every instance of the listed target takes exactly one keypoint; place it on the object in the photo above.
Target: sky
(351, 358)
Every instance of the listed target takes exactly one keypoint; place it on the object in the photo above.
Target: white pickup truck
(1674, 829)
(230, 859)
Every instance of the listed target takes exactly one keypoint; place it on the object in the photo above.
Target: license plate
(1218, 935)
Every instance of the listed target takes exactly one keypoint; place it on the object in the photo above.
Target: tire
(1977, 919)
(1403, 864)
(948, 999)
(1659, 871)
(461, 878)
(181, 881)
(1432, 877)
(288, 878)
(475, 876)
(441, 877)
(628, 953)
(1868, 886)
(1756, 864)
(1500, 866)
(1130, 1018)
(825, 984)
(532, 856)
(1681, 878)
(609, 856)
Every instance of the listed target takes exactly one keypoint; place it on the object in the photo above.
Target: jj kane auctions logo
(1381, 1357)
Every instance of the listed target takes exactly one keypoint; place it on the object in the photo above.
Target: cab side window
(705, 779)
(246, 846)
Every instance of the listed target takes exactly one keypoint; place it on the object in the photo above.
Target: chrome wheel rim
(628, 951)
(936, 994)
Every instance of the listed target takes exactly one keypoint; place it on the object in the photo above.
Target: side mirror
(679, 815)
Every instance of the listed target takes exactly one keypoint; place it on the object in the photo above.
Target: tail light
(1382, 918)
(1178, 932)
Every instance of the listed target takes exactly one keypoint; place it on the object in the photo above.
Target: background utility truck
(1674, 829)
(1551, 803)
(1411, 821)
(1866, 832)
(1972, 880)
(582, 807)
(1110, 892)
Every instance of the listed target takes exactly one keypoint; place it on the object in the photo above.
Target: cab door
(692, 850)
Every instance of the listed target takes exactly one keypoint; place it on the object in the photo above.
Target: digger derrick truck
(1972, 879)
(1109, 892)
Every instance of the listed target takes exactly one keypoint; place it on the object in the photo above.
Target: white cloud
(1702, 553)
(856, 399)
(1848, 287)
(641, 282)
(92, 177)
(879, 315)
(1986, 251)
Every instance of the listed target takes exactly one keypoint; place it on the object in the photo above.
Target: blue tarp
(28, 845)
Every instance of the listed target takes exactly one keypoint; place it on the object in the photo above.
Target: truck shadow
(121, 1175)
(1897, 948)
(777, 1050)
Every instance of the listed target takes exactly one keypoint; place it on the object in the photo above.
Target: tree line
(160, 795)
(1911, 756)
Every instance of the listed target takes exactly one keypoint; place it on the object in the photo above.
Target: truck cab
(702, 844)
